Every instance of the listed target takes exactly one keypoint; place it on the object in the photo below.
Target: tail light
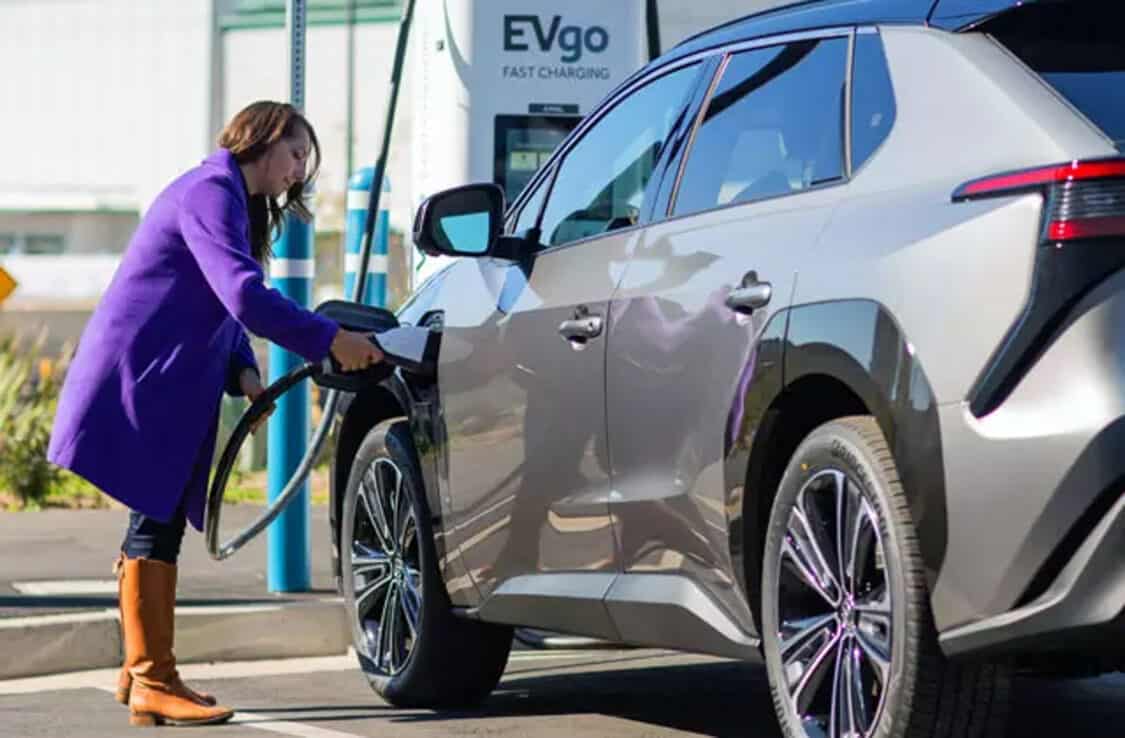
(1083, 200)
(1086, 199)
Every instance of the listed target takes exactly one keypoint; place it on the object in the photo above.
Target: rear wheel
(413, 650)
(850, 645)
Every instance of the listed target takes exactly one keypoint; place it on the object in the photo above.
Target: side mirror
(463, 221)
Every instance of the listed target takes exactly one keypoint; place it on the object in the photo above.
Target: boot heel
(145, 719)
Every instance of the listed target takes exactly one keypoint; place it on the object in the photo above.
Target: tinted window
(773, 126)
(601, 183)
(1078, 48)
(873, 99)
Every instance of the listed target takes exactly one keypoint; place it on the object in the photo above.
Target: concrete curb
(48, 644)
(54, 643)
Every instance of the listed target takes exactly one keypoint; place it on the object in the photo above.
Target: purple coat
(138, 412)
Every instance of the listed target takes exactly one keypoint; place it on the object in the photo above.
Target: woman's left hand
(251, 385)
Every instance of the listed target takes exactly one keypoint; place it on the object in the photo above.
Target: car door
(693, 320)
(522, 367)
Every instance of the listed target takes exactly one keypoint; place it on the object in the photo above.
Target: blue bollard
(359, 191)
(291, 273)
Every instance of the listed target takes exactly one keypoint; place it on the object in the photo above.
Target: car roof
(810, 15)
(806, 16)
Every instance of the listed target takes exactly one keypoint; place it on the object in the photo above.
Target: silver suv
(805, 347)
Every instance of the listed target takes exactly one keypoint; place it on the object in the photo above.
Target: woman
(138, 412)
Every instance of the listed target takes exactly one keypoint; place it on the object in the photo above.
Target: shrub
(29, 390)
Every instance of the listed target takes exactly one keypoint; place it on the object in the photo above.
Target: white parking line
(270, 724)
(540, 655)
(49, 587)
(61, 618)
(105, 678)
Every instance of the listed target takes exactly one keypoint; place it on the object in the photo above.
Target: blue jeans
(146, 538)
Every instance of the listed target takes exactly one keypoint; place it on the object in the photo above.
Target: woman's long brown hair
(249, 136)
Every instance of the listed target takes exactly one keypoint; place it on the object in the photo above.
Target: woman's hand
(354, 351)
(251, 385)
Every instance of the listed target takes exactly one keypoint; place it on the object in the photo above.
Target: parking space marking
(61, 618)
(56, 587)
(270, 724)
(104, 678)
(537, 655)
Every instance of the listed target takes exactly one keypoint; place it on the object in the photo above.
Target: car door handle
(581, 329)
(749, 297)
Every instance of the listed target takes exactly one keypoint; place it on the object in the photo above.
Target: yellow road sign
(7, 284)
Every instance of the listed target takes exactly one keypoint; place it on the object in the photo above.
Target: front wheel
(413, 650)
(850, 646)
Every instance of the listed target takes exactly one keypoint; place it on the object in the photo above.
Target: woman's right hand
(354, 350)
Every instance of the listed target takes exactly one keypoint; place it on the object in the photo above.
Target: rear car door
(522, 372)
(693, 337)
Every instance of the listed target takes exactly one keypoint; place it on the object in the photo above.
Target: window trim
(729, 51)
(847, 122)
(868, 31)
(690, 144)
(544, 176)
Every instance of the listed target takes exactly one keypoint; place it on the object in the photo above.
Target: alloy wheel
(835, 611)
(384, 569)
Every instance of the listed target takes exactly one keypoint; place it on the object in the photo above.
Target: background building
(107, 100)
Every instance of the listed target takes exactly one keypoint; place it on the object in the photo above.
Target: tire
(876, 613)
(426, 656)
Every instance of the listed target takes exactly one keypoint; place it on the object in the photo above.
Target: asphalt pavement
(58, 596)
(595, 694)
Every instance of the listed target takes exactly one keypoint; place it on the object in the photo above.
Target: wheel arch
(355, 419)
(836, 359)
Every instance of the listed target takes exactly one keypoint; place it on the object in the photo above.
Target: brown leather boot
(147, 609)
(124, 678)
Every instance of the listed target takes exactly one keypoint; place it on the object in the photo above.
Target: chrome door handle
(581, 329)
(750, 297)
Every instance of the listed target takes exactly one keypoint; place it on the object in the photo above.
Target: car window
(529, 211)
(1077, 49)
(600, 185)
(873, 98)
(774, 125)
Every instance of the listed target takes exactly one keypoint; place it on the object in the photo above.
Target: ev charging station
(498, 84)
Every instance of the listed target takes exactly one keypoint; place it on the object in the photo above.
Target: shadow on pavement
(723, 699)
(719, 699)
